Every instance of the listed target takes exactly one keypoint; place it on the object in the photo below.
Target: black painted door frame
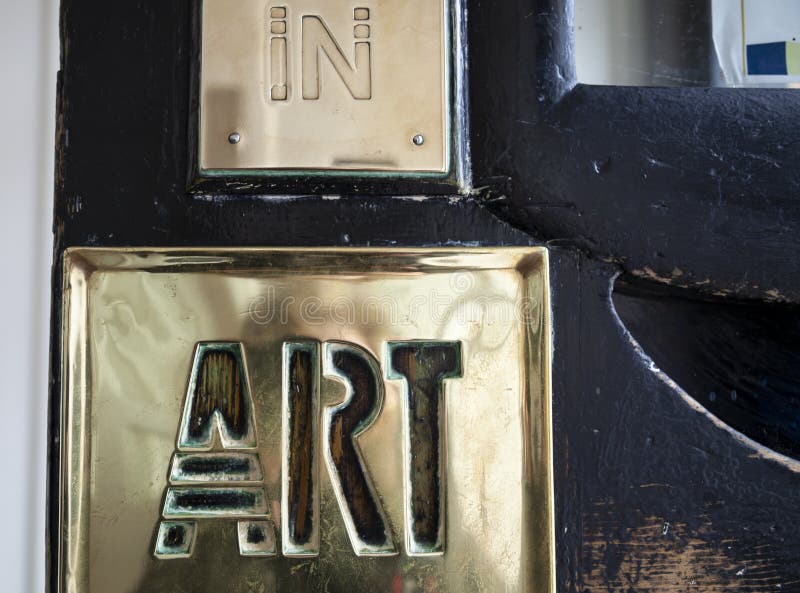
(684, 198)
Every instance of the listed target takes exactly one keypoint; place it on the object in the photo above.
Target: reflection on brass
(424, 366)
(257, 538)
(300, 490)
(175, 539)
(215, 467)
(217, 413)
(325, 85)
(358, 371)
(219, 394)
(284, 420)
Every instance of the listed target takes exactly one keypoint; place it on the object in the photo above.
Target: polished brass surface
(327, 85)
(380, 379)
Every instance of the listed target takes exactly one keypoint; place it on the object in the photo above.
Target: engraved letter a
(318, 39)
(205, 484)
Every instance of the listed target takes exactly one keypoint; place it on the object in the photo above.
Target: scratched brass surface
(132, 320)
(259, 69)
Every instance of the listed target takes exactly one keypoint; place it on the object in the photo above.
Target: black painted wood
(741, 360)
(692, 188)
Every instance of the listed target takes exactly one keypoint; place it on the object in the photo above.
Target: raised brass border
(79, 264)
(458, 166)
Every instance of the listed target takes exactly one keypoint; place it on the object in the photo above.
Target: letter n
(317, 39)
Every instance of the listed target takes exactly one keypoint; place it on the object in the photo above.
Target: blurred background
(28, 64)
(679, 43)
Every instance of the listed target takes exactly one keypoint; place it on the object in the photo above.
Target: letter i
(279, 90)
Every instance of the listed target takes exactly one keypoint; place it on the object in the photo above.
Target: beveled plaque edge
(80, 263)
(456, 178)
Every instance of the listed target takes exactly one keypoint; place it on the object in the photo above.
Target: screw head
(234, 137)
(418, 140)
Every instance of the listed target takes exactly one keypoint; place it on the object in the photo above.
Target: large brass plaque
(325, 85)
(306, 420)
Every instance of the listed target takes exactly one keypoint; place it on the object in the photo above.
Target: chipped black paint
(741, 360)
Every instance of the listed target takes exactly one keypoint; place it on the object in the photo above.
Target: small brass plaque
(325, 85)
(306, 420)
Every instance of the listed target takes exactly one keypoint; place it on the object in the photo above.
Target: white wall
(608, 36)
(28, 65)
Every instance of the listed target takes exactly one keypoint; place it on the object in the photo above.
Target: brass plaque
(306, 420)
(325, 85)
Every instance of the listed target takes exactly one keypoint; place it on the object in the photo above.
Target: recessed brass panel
(325, 85)
(211, 396)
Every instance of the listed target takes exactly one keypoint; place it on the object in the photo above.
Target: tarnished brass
(325, 85)
(306, 420)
